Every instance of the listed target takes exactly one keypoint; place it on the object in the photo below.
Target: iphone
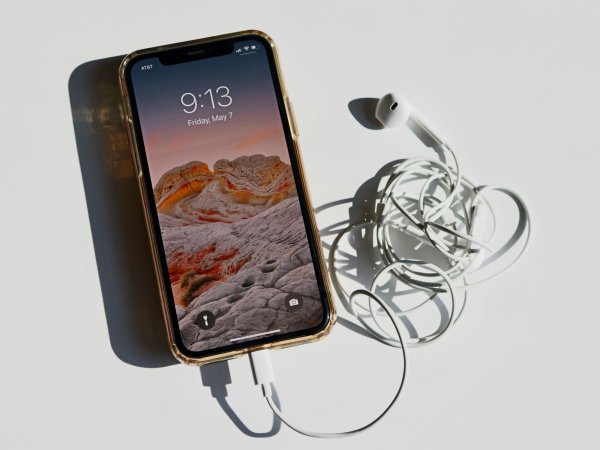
(233, 235)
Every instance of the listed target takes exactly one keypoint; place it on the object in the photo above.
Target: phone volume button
(292, 117)
(137, 167)
(135, 157)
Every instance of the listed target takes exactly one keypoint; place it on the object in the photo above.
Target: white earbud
(392, 111)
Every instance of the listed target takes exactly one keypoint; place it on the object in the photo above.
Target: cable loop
(432, 202)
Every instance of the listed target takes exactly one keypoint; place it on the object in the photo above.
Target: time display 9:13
(218, 97)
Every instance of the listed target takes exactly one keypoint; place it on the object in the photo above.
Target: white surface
(514, 87)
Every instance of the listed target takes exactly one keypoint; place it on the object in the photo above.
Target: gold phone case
(148, 216)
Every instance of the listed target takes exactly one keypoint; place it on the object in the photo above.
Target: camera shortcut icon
(293, 302)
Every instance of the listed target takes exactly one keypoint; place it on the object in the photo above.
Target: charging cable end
(262, 370)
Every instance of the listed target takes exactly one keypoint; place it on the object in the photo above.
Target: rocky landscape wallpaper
(236, 246)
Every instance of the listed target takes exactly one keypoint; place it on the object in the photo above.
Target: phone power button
(292, 117)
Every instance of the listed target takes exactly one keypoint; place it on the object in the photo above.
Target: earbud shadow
(217, 376)
(363, 110)
(129, 289)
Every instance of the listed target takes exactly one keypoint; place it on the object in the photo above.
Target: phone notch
(194, 53)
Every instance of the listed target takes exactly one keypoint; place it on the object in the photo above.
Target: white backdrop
(513, 85)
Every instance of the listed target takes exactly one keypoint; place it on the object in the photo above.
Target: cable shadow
(363, 262)
(123, 258)
(217, 376)
(366, 262)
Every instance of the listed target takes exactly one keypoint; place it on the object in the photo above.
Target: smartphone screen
(217, 156)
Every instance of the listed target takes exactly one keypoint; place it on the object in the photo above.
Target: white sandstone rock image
(236, 246)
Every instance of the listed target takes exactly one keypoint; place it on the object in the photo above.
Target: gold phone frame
(135, 151)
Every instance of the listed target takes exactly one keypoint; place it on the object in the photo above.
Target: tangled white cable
(432, 202)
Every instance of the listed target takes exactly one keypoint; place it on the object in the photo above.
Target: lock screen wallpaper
(239, 262)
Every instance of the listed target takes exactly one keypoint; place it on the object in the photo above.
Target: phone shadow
(129, 288)
(130, 293)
